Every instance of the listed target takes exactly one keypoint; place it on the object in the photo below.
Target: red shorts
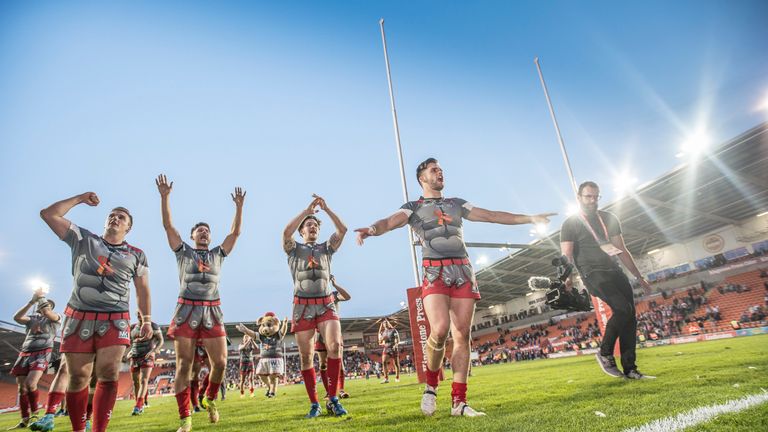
(139, 363)
(184, 330)
(465, 290)
(31, 361)
(246, 368)
(311, 324)
(320, 346)
(112, 337)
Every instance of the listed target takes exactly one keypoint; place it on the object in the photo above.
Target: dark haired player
(198, 313)
(449, 289)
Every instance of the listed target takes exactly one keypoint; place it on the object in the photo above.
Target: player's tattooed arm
(397, 220)
(165, 188)
(289, 243)
(284, 328)
(53, 215)
(341, 229)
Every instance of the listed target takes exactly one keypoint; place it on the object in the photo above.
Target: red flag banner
(419, 332)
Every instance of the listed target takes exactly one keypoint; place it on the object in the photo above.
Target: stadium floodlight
(541, 228)
(402, 304)
(624, 184)
(572, 209)
(762, 214)
(39, 284)
(482, 260)
(695, 144)
(651, 252)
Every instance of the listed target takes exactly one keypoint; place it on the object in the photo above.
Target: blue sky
(289, 99)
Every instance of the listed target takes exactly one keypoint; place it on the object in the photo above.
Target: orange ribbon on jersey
(442, 218)
(104, 268)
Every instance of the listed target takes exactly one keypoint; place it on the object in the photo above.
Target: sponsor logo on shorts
(123, 334)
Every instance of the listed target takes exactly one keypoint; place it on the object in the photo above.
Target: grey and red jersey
(102, 271)
(141, 348)
(310, 266)
(389, 337)
(199, 272)
(199, 275)
(270, 346)
(437, 222)
(40, 332)
(246, 352)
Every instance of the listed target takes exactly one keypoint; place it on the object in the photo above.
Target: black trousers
(614, 288)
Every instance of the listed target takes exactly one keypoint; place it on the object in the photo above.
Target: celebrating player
(96, 327)
(313, 307)
(246, 348)
(389, 339)
(449, 289)
(198, 313)
(41, 327)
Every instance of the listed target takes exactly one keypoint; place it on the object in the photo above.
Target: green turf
(542, 395)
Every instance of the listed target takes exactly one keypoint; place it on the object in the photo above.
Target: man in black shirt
(592, 240)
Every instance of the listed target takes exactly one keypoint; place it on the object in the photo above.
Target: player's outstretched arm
(165, 188)
(397, 220)
(478, 214)
(341, 229)
(53, 215)
(229, 242)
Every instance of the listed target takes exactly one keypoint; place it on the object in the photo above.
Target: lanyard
(592, 231)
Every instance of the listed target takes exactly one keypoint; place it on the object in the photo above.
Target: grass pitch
(541, 395)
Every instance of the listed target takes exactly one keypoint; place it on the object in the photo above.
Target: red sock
(309, 382)
(24, 404)
(194, 387)
(324, 379)
(182, 400)
(334, 368)
(54, 402)
(251, 389)
(140, 403)
(342, 375)
(213, 390)
(458, 392)
(33, 397)
(77, 405)
(103, 401)
(433, 377)
(242, 391)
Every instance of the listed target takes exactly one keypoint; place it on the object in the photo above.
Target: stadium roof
(723, 187)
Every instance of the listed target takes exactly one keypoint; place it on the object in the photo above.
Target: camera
(558, 297)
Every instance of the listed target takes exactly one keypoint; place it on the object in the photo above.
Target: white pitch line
(700, 415)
